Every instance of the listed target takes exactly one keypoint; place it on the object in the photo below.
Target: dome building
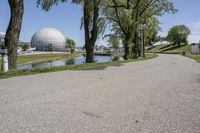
(48, 39)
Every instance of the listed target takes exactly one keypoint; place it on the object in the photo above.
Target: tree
(70, 44)
(114, 42)
(151, 31)
(121, 22)
(13, 31)
(50, 47)
(2, 45)
(25, 46)
(178, 34)
(128, 14)
(92, 21)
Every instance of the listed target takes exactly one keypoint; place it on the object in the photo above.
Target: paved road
(160, 95)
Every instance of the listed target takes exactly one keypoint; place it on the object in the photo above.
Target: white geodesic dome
(48, 39)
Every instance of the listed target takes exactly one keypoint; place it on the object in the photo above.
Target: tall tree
(178, 34)
(130, 13)
(114, 42)
(13, 31)
(118, 13)
(70, 44)
(151, 31)
(91, 21)
(90, 16)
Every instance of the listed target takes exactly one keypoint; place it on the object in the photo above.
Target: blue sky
(66, 17)
(188, 14)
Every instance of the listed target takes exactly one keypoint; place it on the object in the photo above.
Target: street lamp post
(142, 27)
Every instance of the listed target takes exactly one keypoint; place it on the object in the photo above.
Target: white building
(2, 35)
(48, 39)
(195, 48)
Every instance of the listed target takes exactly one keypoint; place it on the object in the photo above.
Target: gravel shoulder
(152, 96)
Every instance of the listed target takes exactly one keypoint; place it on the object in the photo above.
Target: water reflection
(63, 62)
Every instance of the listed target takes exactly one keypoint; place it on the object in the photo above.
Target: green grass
(118, 54)
(90, 66)
(195, 57)
(26, 59)
(169, 49)
(43, 57)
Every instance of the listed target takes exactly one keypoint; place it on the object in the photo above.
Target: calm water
(64, 62)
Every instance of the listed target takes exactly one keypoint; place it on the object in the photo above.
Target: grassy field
(90, 66)
(118, 54)
(195, 57)
(169, 49)
(25, 59)
(45, 57)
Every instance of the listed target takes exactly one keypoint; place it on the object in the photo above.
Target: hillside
(169, 49)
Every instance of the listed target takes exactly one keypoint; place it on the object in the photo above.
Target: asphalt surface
(160, 95)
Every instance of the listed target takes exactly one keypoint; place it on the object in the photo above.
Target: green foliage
(169, 49)
(195, 57)
(50, 47)
(126, 15)
(46, 5)
(25, 46)
(92, 20)
(178, 34)
(1, 45)
(151, 30)
(70, 43)
(113, 42)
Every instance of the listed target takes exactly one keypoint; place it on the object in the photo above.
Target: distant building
(102, 49)
(48, 39)
(195, 48)
(161, 43)
(2, 36)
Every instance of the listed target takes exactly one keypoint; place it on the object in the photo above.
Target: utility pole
(142, 27)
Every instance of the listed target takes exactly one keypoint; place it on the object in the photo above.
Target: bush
(25, 46)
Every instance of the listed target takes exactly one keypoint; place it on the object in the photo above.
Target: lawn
(44, 57)
(169, 49)
(89, 66)
(25, 59)
(195, 57)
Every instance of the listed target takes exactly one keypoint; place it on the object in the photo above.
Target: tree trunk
(90, 52)
(136, 49)
(13, 31)
(179, 44)
(127, 43)
(90, 36)
(143, 45)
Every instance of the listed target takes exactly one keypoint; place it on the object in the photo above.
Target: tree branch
(117, 15)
